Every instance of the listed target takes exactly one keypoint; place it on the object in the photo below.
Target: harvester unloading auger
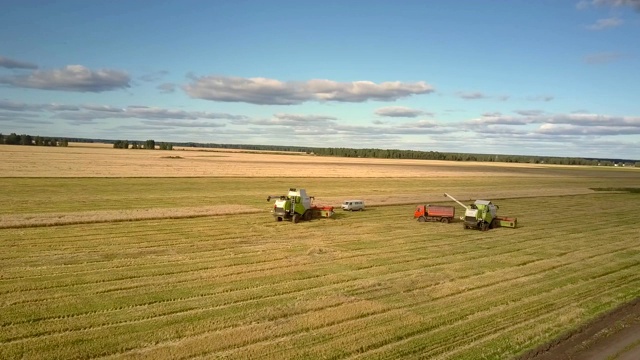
(482, 215)
(296, 206)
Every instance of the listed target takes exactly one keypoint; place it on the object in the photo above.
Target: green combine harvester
(482, 215)
(296, 206)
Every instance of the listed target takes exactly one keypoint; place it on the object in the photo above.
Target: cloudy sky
(548, 77)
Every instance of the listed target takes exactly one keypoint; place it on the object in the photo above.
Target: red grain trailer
(434, 213)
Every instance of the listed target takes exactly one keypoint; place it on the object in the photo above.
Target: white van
(353, 205)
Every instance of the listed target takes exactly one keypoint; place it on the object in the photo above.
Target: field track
(204, 271)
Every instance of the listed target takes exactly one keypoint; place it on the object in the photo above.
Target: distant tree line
(424, 155)
(338, 152)
(24, 139)
(149, 144)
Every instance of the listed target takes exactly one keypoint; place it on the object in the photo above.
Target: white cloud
(71, 78)
(166, 88)
(103, 108)
(16, 64)
(555, 129)
(582, 4)
(497, 120)
(602, 58)
(529, 112)
(183, 124)
(20, 106)
(618, 3)
(576, 124)
(144, 112)
(400, 111)
(476, 95)
(265, 91)
(607, 23)
(422, 124)
(544, 98)
(295, 121)
(304, 118)
(90, 112)
(153, 76)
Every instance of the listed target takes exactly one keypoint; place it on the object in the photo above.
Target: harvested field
(204, 271)
(35, 161)
(614, 335)
(237, 286)
(102, 216)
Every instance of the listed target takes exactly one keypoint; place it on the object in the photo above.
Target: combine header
(297, 206)
(482, 215)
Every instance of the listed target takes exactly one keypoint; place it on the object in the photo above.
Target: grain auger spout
(454, 199)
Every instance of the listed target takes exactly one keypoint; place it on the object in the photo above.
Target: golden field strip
(373, 284)
(80, 160)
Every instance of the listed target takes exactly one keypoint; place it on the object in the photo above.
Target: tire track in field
(444, 325)
(244, 264)
(146, 304)
(505, 324)
(332, 284)
(324, 327)
(387, 326)
(145, 232)
(390, 245)
(442, 261)
(493, 336)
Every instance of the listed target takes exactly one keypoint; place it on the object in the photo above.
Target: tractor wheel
(278, 218)
(422, 219)
(296, 218)
(307, 215)
(445, 220)
(484, 226)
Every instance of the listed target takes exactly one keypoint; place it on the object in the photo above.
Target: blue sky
(558, 78)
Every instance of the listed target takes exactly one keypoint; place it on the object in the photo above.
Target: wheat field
(81, 160)
(193, 267)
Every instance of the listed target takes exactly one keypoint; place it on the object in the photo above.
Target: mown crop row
(374, 284)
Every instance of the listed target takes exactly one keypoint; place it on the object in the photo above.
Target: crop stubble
(374, 284)
(235, 285)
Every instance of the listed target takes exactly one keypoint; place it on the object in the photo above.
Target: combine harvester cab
(296, 206)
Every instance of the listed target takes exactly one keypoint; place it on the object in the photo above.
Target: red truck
(434, 213)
